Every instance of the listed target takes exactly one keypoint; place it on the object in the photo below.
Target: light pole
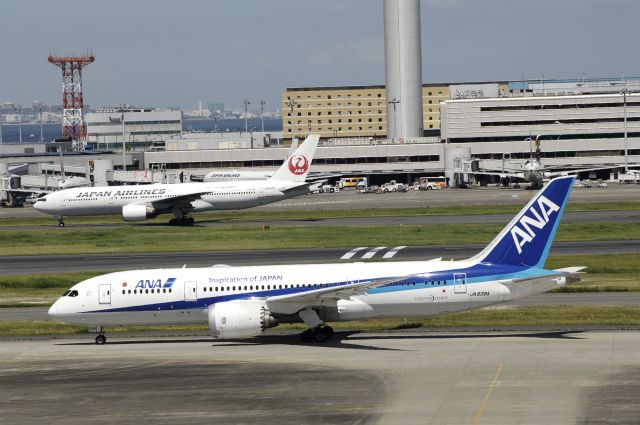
(625, 92)
(39, 108)
(262, 103)
(291, 103)
(394, 102)
(19, 111)
(246, 125)
(124, 145)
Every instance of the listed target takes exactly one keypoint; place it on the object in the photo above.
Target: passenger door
(191, 291)
(104, 293)
(460, 283)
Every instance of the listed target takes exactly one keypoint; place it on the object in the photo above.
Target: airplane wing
(307, 184)
(334, 293)
(577, 170)
(179, 200)
(499, 174)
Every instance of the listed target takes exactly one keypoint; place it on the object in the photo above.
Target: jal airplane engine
(138, 212)
(239, 319)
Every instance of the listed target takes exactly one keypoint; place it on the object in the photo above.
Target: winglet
(526, 240)
(296, 167)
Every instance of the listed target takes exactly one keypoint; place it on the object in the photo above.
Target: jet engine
(505, 181)
(138, 212)
(239, 319)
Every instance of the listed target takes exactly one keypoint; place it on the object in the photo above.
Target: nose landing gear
(101, 339)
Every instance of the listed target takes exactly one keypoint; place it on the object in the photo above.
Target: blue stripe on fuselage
(477, 273)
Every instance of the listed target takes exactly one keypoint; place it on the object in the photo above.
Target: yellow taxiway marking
(476, 418)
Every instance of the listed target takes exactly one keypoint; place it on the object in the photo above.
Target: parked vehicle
(327, 188)
(348, 182)
(392, 186)
(429, 186)
(439, 181)
(32, 199)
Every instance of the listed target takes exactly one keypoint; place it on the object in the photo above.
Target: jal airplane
(142, 202)
(227, 175)
(240, 302)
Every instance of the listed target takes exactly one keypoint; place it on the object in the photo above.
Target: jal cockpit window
(73, 293)
(66, 292)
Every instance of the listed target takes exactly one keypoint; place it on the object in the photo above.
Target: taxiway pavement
(384, 378)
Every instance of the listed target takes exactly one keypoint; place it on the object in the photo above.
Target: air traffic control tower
(403, 68)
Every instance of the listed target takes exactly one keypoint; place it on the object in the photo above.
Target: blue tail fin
(527, 239)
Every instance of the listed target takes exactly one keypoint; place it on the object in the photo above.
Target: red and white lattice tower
(72, 102)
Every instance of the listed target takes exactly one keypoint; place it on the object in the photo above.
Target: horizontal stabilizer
(577, 269)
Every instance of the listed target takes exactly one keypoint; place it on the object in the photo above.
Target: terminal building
(578, 123)
(361, 111)
(140, 127)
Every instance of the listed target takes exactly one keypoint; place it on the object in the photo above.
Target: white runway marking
(351, 253)
(394, 251)
(373, 252)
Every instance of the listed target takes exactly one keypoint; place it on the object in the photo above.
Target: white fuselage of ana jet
(216, 196)
(177, 296)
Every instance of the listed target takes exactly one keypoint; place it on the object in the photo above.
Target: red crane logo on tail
(298, 164)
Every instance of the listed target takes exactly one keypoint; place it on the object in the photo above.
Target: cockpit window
(66, 292)
(73, 293)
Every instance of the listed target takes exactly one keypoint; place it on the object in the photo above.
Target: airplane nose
(55, 311)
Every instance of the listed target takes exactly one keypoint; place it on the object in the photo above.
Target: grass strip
(170, 239)
(486, 317)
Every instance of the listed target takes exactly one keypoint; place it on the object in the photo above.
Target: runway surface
(385, 378)
(40, 264)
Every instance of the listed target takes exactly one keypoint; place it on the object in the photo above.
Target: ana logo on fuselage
(155, 283)
(298, 164)
(522, 233)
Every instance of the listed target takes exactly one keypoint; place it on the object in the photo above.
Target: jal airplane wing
(180, 199)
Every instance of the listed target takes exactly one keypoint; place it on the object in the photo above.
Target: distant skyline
(166, 53)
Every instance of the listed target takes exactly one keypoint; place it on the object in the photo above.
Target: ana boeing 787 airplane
(142, 202)
(240, 302)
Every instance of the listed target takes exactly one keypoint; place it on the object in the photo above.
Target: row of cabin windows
(232, 193)
(413, 283)
(146, 291)
(266, 287)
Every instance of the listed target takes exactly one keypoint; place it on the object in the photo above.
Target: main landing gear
(318, 330)
(320, 333)
(60, 222)
(182, 221)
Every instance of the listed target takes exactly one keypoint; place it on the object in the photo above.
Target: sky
(174, 53)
